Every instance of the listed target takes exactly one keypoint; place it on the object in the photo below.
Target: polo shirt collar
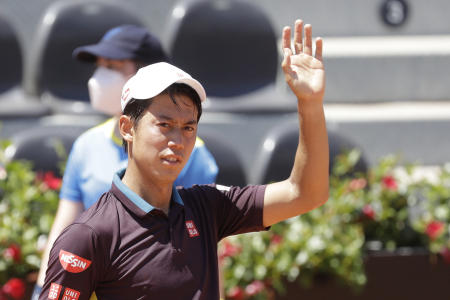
(143, 205)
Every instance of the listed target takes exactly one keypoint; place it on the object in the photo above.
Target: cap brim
(193, 83)
(90, 53)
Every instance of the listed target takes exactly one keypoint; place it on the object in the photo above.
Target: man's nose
(176, 139)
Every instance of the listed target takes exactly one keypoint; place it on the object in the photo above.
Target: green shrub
(381, 210)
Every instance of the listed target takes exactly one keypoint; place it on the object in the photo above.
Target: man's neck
(157, 194)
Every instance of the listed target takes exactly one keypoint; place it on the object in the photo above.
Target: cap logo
(73, 263)
(180, 75)
(192, 230)
(55, 290)
(125, 94)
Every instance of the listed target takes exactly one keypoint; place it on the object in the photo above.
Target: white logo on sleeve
(192, 230)
(223, 188)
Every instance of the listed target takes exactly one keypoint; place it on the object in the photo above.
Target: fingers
(307, 48)
(319, 46)
(302, 41)
(298, 36)
(286, 39)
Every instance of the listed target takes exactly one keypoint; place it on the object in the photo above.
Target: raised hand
(304, 73)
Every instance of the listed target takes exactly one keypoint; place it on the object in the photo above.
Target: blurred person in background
(98, 153)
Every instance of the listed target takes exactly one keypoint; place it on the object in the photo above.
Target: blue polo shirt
(124, 248)
(97, 154)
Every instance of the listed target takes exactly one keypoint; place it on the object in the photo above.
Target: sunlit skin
(159, 147)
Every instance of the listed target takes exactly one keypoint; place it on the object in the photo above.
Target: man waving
(146, 239)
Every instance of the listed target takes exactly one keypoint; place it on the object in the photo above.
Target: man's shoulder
(198, 190)
(102, 217)
(202, 194)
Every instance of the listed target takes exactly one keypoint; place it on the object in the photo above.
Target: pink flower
(276, 239)
(15, 288)
(434, 229)
(236, 293)
(254, 288)
(368, 212)
(389, 182)
(229, 249)
(13, 252)
(3, 173)
(357, 184)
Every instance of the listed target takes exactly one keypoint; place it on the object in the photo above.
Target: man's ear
(126, 128)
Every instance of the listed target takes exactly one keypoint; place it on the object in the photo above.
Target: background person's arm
(307, 186)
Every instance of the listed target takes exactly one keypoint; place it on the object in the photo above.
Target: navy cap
(124, 42)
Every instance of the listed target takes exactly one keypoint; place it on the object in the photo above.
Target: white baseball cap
(151, 80)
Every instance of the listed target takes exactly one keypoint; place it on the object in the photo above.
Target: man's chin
(168, 176)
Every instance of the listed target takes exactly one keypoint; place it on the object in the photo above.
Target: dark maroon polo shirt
(123, 248)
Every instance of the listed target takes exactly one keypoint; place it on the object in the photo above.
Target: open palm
(304, 73)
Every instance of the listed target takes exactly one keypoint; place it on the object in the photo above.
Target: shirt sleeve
(70, 188)
(239, 210)
(201, 167)
(74, 264)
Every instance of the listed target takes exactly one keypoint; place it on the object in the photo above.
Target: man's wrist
(310, 107)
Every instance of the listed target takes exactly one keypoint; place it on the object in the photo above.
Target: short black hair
(136, 108)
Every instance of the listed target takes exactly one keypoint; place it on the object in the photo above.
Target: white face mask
(105, 90)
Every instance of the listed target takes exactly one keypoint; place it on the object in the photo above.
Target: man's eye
(189, 128)
(165, 125)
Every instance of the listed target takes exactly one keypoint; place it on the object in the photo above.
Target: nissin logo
(73, 263)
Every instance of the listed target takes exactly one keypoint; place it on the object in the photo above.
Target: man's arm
(307, 186)
(74, 264)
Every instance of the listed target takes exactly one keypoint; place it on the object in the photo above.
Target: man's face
(126, 67)
(164, 137)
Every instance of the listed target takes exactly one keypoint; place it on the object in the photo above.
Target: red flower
(51, 181)
(254, 288)
(276, 239)
(445, 252)
(389, 182)
(229, 249)
(12, 252)
(434, 229)
(357, 184)
(368, 212)
(3, 296)
(15, 288)
(236, 293)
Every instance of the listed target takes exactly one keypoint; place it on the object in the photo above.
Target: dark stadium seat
(65, 26)
(278, 151)
(11, 56)
(42, 145)
(229, 46)
(231, 171)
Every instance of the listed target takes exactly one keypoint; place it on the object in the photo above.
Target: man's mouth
(172, 159)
